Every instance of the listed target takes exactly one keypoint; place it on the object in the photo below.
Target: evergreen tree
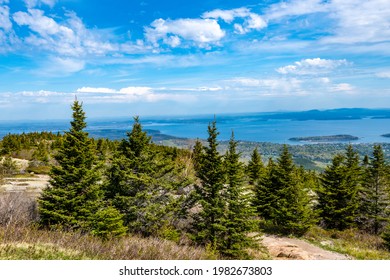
(208, 223)
(239, 215)
(291, 211)
(107, 222)
(197, 155)
(255, 167)
(74, 195)
(140, 183)
(375, 193)
(338, 194)
(264, 195)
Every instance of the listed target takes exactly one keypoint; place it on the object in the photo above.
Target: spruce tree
(375, 193)
(208, 226)
(239, 215)
(74, 194)
(140, 183)
(264, 196)
(291, 209)
(255, 167)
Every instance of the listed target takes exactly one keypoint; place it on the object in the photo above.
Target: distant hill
(332, 114)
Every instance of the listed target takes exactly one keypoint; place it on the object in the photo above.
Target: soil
(284, 248)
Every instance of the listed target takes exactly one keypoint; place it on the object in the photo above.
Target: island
(330, 138)
(386, 135)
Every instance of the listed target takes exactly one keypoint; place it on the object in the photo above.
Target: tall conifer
(208, 222)
(291, 209)
(74, 194)
(239, 215)
(375, 193)
(255, 168)
(139, 183)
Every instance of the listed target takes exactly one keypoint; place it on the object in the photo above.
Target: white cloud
(5, 22)
(251, 20)
(136, 90)
(269, 86)
(312, 66)
(68, 65)
(385, 74)
(200, 31)
(351, 21)
(342, 87)
(95, 90)
(34, 3)
(295, 8)
(70, 37)
(360, 21)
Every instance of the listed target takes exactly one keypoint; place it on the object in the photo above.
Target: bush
(17, 208)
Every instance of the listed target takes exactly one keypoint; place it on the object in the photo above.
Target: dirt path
(284, 248)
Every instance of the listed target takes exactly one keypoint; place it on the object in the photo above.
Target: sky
(152, 57)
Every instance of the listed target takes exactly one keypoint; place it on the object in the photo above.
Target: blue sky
(125, 58)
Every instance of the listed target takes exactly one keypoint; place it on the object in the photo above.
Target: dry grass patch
(355, 243)
(31, 243)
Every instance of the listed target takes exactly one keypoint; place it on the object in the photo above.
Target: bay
(246, 127)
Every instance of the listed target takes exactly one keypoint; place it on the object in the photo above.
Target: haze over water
(248, 127)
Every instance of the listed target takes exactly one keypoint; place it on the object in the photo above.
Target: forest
(200, 197)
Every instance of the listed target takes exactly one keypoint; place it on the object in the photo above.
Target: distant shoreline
(328, 138)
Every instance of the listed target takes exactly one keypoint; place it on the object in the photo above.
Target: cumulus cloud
(202, 32)
(70, 38)
(251, 20)
(312, 66)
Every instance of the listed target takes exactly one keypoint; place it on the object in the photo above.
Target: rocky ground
(284, 248)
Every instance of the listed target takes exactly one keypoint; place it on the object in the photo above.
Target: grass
(29, 243)
(357, 244)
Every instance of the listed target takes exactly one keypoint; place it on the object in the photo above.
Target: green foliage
(338, 195)
(74, 195)
(386, 237)
(141, 183)
(255, 168)
(208, 225)
(8, 166)
(282, 197)
(239, 217)
(375, 199)
(107, 222)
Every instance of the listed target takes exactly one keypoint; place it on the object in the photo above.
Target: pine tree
(375, 193)
(208, 224)
(140, 183)
(239, 215)
(74, 195)
(255, 167)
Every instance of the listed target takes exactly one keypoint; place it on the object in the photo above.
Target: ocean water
(245, 127)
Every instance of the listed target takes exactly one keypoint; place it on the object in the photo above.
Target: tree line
(213, 199)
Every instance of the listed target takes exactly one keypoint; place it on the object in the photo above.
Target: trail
(284, 248)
